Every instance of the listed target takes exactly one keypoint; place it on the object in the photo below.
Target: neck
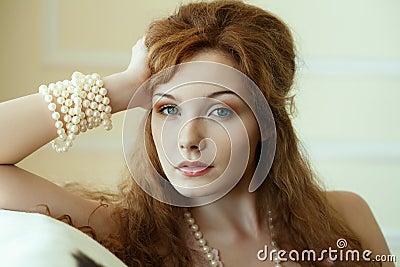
(235, 212)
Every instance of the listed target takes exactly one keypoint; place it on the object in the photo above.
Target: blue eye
(169, 110)
(221, 112)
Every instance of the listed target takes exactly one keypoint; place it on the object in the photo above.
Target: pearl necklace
(207, 250)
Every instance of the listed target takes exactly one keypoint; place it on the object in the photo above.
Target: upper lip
(193, 164)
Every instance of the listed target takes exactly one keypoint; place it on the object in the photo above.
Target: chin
(208, 190)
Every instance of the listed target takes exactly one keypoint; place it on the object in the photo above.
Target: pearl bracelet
(83, 105)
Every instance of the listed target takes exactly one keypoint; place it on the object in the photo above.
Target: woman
(288, 211)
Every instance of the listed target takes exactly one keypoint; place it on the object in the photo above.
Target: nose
(190, 137)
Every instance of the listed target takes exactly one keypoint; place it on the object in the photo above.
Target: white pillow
(36, 240)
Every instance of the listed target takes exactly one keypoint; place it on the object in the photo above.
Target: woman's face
(205, 134)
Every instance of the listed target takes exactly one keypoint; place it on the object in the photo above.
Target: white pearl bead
(60, 85)
(82, 94)
(68, 144)
(190, 221)
(106, 100)
(83, 129)
(93, 105)
(64, 109)
(96, 114)
(206, 249)
(194, 227)
(71, 111)
(107, 109)
(103, 116)
(52, 86)
(55, 115)
(74, 95)
(108, 127)
(48, 98)
(95, 76)
(76, 75)
(97, 121)
(74, 129)
(202, 242)
(187, 214)
(78, 101)
(60, 100)
(98, 98)
(99, 83)
(90, 96)
(101, 107)
(103, 91)
(90, 120)
(56, 92)
(64, 93)
(86, 103)
(68, 126)
(66, 83)
(77, 110)
(86, 87)
(90, 125)
(76, 120)
(61, 131)
(214, 263)
(52, 106)
(82, 115)
(95, 89)
(89, 112)
(58, 124)
(43, 89)
(68, 102)
(90, 82)
(71, 136)
(198, 235)
(63, 136)
(106, 122)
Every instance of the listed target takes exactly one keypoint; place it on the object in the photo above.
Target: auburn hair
(262, 47)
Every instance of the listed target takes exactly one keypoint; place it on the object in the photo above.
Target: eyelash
(165, 107)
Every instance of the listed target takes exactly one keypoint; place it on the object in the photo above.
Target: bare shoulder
(356, 212)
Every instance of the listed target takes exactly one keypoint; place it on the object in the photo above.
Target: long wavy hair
(262, 47)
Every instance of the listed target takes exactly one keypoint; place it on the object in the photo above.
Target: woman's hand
(122, 86)
(138, 68)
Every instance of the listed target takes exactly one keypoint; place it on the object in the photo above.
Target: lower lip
(194, 173)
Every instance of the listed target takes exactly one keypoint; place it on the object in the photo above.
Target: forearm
(25, 125)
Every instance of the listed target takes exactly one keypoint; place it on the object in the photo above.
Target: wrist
(122, 87)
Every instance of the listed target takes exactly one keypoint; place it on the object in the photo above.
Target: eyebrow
(212, 95)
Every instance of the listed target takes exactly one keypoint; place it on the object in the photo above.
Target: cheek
(156, 133)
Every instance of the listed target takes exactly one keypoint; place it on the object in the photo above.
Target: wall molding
(55, 55)
(345, 150)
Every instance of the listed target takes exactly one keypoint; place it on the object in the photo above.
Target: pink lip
(193, 168)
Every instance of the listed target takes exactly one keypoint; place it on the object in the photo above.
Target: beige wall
(347, 88)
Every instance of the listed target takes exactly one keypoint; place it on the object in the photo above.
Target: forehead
(203, 78)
